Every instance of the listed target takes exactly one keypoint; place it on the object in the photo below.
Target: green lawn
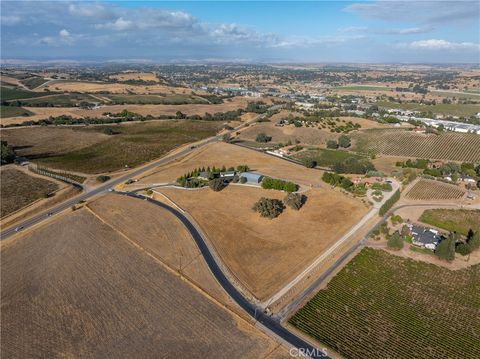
(13, 111)
(385, 306)
(134, 144)
(325, 157)
(447, 109)
(453, 220)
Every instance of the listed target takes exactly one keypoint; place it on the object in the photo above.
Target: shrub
(278, 184)
(395, 241)
(463, 249)
(344, 141)
(295, 200)
(103, 178)
(216, 184)
(268, 207)
(309, 163)
(446, 248)
(353, 165)
(243, 179)
(332, 144)
(263, 138)
(474, 241)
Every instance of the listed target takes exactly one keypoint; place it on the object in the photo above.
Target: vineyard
(397, 142)
(384, 306)
(434, 190)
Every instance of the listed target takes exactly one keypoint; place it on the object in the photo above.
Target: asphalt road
(255, 312)
(102, 188)
(21, 226)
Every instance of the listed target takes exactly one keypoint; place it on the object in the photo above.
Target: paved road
(255, 312)
(313, 288)
(112, 183)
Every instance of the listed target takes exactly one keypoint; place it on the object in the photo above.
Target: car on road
(18, 229)
(192, 147)
(49, 214)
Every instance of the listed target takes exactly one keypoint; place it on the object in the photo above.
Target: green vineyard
(398, 142)
(384, 306)
(434, 190)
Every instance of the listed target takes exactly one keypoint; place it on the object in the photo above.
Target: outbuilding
(252, 177)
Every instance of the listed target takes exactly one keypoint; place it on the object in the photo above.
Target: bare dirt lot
(265, 254)
(77, 288)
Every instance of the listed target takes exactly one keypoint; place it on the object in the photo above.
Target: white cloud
(437, 44)
(118, 25)
(418, 11)
(64, 38)
(9, 20)
(404, 31)
(91, 10)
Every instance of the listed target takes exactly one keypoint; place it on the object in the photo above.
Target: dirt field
(18, 190)
(219, 154)
(78, 86)
(77, 288)
(265, 254)
(170, 243)
(40, 113)
(125, 76)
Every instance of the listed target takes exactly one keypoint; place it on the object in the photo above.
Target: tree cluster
(278, 184)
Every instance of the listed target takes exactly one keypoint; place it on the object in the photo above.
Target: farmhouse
(227, 174)
(252, 177)
(424, 237)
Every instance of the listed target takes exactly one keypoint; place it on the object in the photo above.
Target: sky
(243, 31)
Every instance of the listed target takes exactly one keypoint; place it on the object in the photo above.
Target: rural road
(112, 183)
(308, 292)
(252, 310)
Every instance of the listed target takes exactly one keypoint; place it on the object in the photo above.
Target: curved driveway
(253, 311)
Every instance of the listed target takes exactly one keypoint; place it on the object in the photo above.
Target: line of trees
(389, 203)
(278, 184)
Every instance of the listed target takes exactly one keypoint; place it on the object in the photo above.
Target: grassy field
(453, 220)
(384, 306)
(447, 109)
(62, 100)
(15, 94)
(134, 144)
(434, 190)
(13, 111)
(19, 189)
(33, 82)
(397, 142)
(78, 288)
(325, 157)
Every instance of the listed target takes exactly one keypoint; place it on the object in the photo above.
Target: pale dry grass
(266, 254)
(40, 113)
(125, 76)
(220, 153)
(77, 288)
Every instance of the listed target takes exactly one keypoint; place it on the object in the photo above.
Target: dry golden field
(77, 288)
(79, 86)
(40, 113)
(161, 235)
(125, 76)
(220, 153)
(265, 254)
